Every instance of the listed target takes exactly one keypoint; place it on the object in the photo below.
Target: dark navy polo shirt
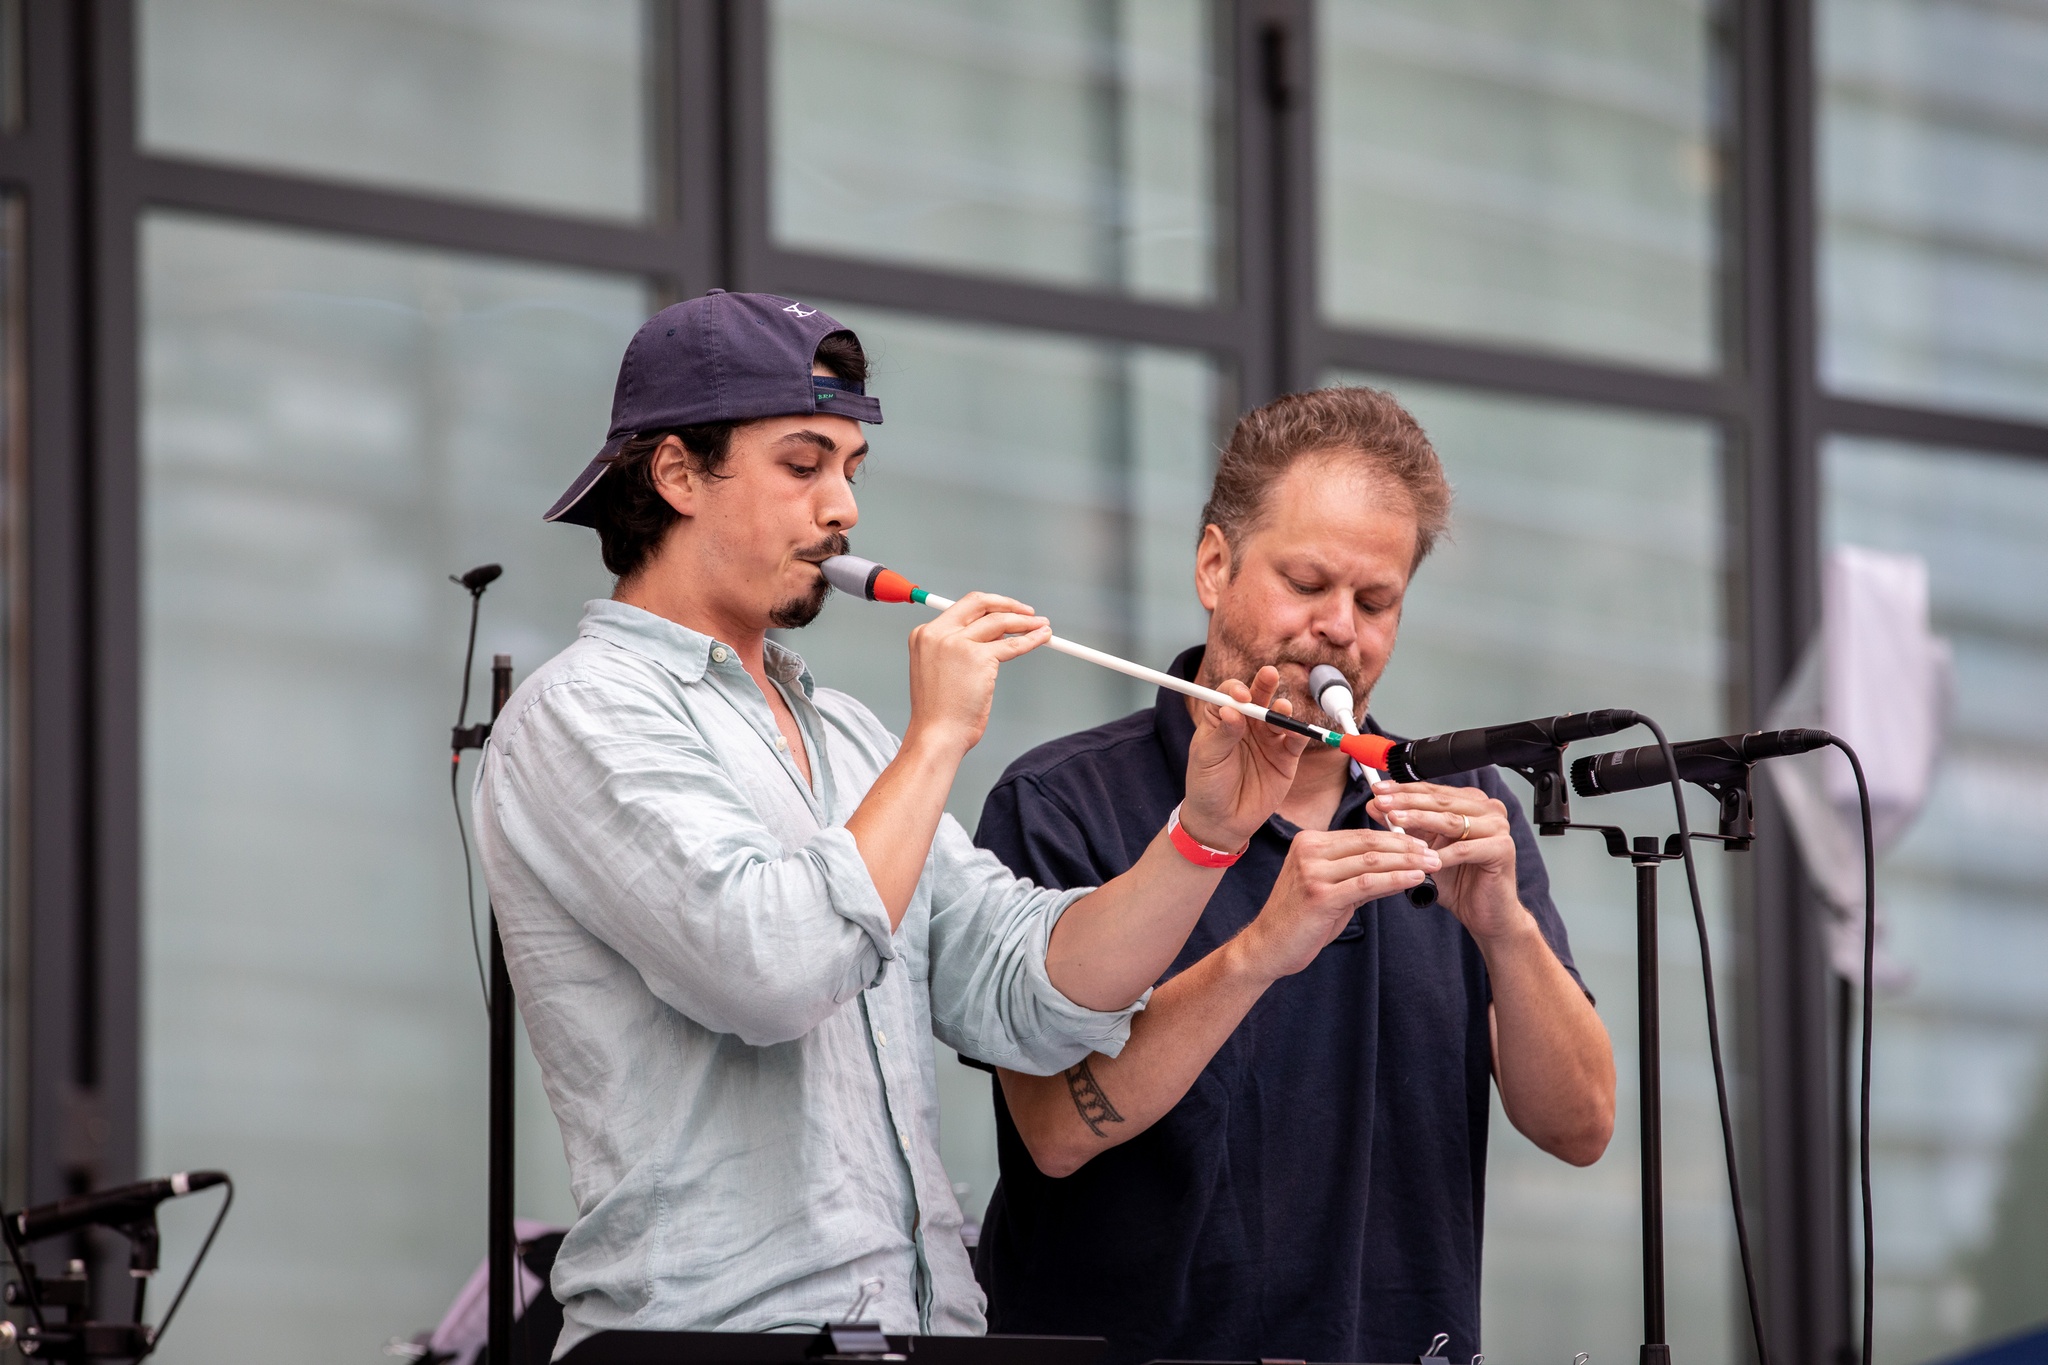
(1317, 1195)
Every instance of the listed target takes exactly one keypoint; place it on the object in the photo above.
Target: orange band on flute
(1370, 750)
(891, 586)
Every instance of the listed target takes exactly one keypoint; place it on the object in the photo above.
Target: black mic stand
(1737, 832)
(504, 1249)
(503, 1245)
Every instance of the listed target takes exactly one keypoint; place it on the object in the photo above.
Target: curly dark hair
(631, 516)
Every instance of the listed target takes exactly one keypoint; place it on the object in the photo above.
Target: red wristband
(1200, 854)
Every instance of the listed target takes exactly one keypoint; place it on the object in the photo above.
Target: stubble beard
(1232, 655)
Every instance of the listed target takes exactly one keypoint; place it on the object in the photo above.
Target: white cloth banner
(1877, 676)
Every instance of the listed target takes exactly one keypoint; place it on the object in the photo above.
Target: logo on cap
(801, 311)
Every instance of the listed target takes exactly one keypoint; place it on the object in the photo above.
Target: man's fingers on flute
(1373, 885)
(1265, 683)
(1012, 646)
(978, 604)
(1343, 870)
(997, 624)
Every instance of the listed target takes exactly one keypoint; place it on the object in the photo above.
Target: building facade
(309, 303)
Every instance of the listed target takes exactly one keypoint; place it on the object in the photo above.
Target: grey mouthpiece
(1321, 680)
(851, 574)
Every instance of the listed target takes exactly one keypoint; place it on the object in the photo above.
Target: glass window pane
(522, 101)
(1069, 142)
(1068, 473)
(1934, 198)
(1539, 175)
(1959, 1081)
(329, 430)
(1586, 568)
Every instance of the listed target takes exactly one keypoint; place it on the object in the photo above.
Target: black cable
(468, 877)
(476, 947)
(1863, 1098)
(156, 1337)
(1699, 916)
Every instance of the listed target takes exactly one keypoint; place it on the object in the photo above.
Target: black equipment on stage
(502, 1240)
(127, 1209)
(1533, 748)
(846, 1341)
(1723, 766)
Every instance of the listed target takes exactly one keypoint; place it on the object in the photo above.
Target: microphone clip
(1730, 787)
(1551, 810)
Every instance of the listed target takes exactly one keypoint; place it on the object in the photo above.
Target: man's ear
(1213, 566)
(675, 476)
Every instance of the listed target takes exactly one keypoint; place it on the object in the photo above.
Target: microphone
(1520, 745)
(1699, 760)
(113, 1208)
(1333, 693)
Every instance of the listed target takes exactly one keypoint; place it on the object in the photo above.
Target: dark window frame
(73, 1047)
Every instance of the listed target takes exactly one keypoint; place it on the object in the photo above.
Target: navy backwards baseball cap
(721, 358)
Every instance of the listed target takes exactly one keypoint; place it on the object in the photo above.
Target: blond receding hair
(1355, 422)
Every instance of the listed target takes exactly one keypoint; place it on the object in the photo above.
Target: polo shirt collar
(685, 653)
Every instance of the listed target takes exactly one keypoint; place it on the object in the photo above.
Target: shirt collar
(683, 652)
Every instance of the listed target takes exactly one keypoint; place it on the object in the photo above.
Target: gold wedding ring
(1465, 831)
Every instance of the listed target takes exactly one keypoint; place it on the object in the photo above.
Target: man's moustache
(834, 544)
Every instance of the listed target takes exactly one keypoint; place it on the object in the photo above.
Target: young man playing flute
(734, 910)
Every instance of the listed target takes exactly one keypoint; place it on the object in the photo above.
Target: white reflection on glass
(525, 101)
(1959, 1120)
(1544, 175)
(1068, 141)
(329, 430)
(1934, 194)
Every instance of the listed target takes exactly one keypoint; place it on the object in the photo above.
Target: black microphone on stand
(1720, 765)
(1533, 748)
(118, 1207)
(1508, 746)
(1699, 760)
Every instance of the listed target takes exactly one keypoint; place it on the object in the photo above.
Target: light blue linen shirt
(736, 1046)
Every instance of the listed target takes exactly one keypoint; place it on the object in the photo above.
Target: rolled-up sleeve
(991, 997)
(629, 821)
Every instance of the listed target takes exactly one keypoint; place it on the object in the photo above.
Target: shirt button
(781, 743)
(718, 655)
(881, 1038)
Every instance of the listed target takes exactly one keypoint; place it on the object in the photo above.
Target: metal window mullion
(1802, 1262)
(46, 653)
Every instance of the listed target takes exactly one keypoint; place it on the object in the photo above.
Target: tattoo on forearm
(1089, 1101)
